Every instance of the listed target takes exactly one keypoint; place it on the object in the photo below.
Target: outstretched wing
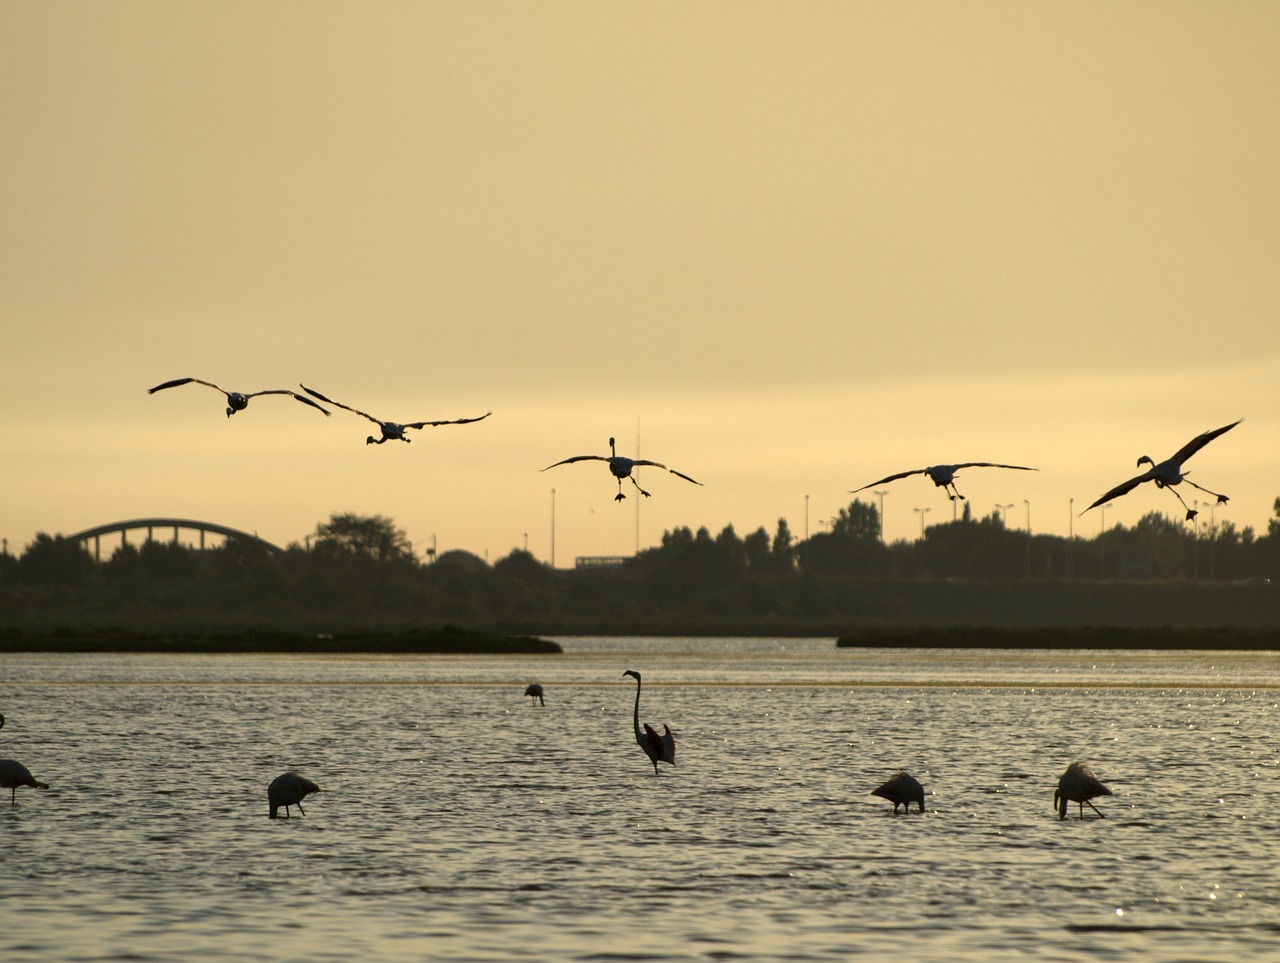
(1194, 445)
(662, 747)
(579, 458)
(339, 404)
(456, 421)
(989, 464)
(291, 394)
(658, 464)
(184, 381)
(1122, 489)
(901, 474)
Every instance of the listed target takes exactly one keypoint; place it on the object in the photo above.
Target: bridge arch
(177, 524)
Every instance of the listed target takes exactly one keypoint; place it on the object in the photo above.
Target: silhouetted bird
(1169, 472)
(289, 789)
(902, 790)
(657, 748)
(1078, 784)
(392, 431)
(535, 690)
(236, 400)
(621, 468)
(943, 476)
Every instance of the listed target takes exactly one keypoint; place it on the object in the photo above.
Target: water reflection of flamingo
(657, 748)
(1078, 784)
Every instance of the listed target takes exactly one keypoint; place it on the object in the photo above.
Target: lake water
(459, 821)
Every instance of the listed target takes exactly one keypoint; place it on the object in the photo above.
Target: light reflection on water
(461, 822)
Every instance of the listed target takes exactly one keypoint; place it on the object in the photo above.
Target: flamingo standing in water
(14, 774)
(535, 690)
(238, 400)
(621, 468)
(659, 748)
(1078, 784)
(1169, 472)
(391, 430)
(943, 476)
(289, 789)
(902, 790)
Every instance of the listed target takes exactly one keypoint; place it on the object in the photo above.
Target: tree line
(359, 570)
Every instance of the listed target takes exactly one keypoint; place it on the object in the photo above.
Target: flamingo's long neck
(636, 718)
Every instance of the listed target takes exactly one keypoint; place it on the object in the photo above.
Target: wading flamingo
(657, 748)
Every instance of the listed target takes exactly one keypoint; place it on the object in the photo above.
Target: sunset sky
(790, 247)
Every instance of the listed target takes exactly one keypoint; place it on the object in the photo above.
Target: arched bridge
(151, 524)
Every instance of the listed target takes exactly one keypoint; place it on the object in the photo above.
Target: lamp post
(1071, 536)
(553, 528)
(1003, 511)
(881, 492)
(922, 512)
(1027, 502)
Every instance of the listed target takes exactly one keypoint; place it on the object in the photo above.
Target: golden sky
(791, 247)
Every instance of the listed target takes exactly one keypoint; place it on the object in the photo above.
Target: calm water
(460, 822)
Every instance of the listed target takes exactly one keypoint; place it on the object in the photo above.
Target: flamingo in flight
(237, 400)
(14, 774)
(289, 789)
(621, 468)
(1078, 784)
(392, 431)
(535, 689)
(902, 790)
(943, 476)
(659, 748)
(1169, 472)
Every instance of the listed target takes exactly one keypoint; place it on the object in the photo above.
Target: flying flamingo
(902, 790)
(236, 400)
(289, 789)
(535, 690)
(14, 774)
(1078, 784)
(621, 468)
(943, 476)
(392, 431)
(1169, 472)
(657, 748)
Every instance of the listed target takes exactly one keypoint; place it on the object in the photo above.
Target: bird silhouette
(1078, 784)
(657, 748)
(902, 790)
(237, 400)
(391, 430)
(14, 774)
(289, 789)
(943, 476)
(1169, 472)
(621, 468)
(535, 690)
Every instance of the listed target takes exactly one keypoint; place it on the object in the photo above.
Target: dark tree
(368, 538)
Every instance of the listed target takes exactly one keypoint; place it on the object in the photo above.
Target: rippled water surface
(460, 822)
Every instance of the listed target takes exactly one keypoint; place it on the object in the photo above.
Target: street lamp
(553, 528)
(1027, 502)
(881, 492)
(1003, 510)
(922, 512)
